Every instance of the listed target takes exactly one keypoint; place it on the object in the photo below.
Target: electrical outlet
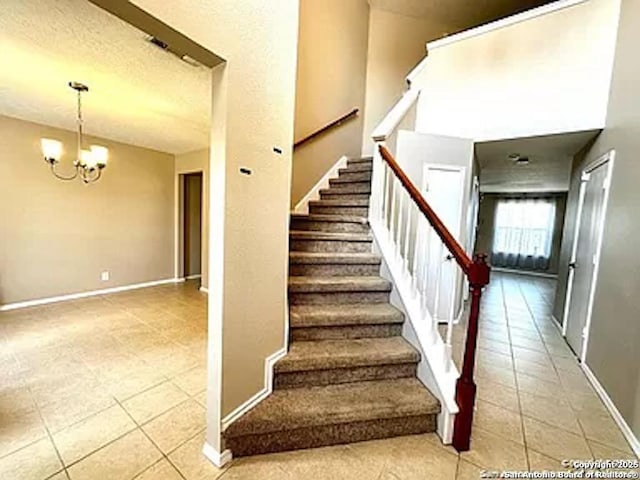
(104, 276)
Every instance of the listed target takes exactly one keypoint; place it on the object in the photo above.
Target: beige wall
(397, 43)
(332, 58)
(57, 237)
(253, 112)
(193, 225)
(612, 353)
(197, 161)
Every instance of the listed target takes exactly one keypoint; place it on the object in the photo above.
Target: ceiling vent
(518, 159)
(165, 46)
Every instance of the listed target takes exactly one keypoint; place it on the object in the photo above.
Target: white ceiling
(138, 94)
(458, 14)
(549, 167)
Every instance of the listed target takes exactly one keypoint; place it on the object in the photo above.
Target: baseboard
(215, 457)
(557, 324)
(204, 290)
(91, 293)
(193, 277)
(613, 410)
(314, 194)
(261, 395)
(524, 272)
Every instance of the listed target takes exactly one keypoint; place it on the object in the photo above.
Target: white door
(583, 268)
(443, 188)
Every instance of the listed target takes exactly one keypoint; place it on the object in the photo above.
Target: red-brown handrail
(329, 126)
(477, 272)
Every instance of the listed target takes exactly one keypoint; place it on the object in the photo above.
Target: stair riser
(354, 187)
(335, 246)
(355, 163)
(356, 176)
(353, 211)
(335, 376)
(344, 196)
(333, 270)
(337, 434)
(326, 298)
(350, 331)
(332, 227)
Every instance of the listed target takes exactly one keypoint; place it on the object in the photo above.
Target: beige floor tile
(494, 359)
(498, 394)
(541, 358)
(497, 347)
(468, 471)
(92, 433)
(201, 398)
(499, 421)
(603, 429)
(254, 468)
(537, 386)
(67, 411)
(193, 381)
(34, 462)
(153, 402)
(605, 451)
(190, 461)
(548, 410)
(173, 428)
(423, 460)
(17, 431)
(59, 476)
(503, 376)
(493, 452)
(537, 370)
(161, 470)
(540, 462)
(122, 459)
(554, 442)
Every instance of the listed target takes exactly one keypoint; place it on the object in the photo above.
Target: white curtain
(523, 233)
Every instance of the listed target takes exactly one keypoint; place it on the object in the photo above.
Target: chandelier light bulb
(87, 159)
(100, 154)
(51, 149)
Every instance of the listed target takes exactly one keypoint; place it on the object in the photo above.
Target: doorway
(191, 225)
(585, 256)
(443, 188)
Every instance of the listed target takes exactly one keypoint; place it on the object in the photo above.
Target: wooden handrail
(478, 272)
(443, 232)
(327, 127)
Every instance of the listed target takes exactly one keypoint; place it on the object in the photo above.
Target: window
(523, 232)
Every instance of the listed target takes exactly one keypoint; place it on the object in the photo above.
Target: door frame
(178, 220)
(607, 158)
(460, 229)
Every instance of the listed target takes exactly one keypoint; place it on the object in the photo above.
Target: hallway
(113, 387)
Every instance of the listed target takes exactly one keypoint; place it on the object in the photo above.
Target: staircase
(349, 375)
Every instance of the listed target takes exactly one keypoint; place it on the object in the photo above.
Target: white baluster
(398, 228)
(407, 236)
(393, 206)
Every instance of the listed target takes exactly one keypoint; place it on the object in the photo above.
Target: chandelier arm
(79, 124)
(62, 177)
(87, 178)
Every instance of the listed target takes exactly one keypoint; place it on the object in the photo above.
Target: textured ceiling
(138, 94)
(549, 166)
(458, 14)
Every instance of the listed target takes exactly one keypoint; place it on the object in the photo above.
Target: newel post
(465, 386)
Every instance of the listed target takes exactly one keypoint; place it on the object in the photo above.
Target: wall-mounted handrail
(477, 272)
(326, 128)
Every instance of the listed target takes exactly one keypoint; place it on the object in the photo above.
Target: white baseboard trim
(204, 290)
(215, 457)
(193, 277)
(613, 410)
(261, 395)
(91, 293)
(524, 272)
(314, 194)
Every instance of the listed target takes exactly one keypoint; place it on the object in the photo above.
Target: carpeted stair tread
(337, 236)
(333, 192)
(331, 258)
(297, 408)
(343, 315)
(338, 284)
(339, 203)
(355, 161)
(356, 167)
(330, 218)
(334, 354)
(336, 180)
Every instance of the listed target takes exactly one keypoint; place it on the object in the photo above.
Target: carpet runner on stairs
(349, 375)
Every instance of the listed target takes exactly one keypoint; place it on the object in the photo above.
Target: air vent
(518, 159)
(165, 46)
(158, 43)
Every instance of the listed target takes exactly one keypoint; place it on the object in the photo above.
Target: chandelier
(88, 163)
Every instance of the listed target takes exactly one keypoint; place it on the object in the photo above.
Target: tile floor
(113, 387)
